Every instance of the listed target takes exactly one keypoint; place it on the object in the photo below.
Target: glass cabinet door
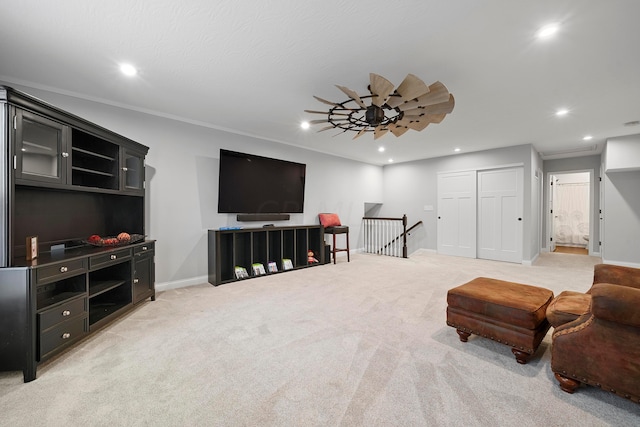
(40, 148)
(132, 171)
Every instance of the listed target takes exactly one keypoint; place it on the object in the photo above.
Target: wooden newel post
(404, 236)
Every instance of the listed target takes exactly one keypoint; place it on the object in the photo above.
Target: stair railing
(385, 236)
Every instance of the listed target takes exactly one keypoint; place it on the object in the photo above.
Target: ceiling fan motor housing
(374, 115)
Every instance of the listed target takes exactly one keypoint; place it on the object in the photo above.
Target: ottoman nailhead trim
(470, 331)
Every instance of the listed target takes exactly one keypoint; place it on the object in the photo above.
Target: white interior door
(551, 225)
(500, 217)
(601, 215)
(457, 213)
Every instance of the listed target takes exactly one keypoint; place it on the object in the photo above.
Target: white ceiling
(252, 66)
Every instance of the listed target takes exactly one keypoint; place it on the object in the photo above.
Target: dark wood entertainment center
(64, 179)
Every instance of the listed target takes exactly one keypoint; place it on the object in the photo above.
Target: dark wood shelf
(91, 153)
(98, 288)
(100, 314)
(47, 303)
(91, 171)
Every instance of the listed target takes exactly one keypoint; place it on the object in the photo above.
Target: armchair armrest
(616, 303)
(617, 275)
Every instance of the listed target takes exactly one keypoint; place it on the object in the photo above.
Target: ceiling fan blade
(327, 102)
(352, 94)
(398, 130)
(360, 133)
(437, 94)
(379, 132)
(441, 108)
(326, 128)
(436, 118)
(394, 100)
(412, 87)
(330, 112)
(419, 125)
(380, 88)
(315, 122)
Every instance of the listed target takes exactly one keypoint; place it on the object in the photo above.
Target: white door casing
(551, 227)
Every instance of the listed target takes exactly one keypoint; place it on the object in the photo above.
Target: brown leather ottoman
(509, 313)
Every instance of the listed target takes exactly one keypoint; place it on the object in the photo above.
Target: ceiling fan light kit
(412, 105)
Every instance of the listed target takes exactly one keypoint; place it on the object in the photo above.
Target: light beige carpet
(363, 343)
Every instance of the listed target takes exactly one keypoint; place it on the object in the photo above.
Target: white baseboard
(622, 263)
(181, 283)
(529, 262)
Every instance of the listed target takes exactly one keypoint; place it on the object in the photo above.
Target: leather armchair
(569, 305)
(602, 347)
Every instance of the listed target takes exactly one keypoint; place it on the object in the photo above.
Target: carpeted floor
(363, 343)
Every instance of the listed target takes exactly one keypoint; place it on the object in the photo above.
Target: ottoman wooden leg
(567, 384)
(521, 356)
(463, 335)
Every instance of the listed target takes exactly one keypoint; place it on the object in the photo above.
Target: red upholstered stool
(332, 225)
(509, 313)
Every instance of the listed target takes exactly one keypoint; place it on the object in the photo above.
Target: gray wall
(586, 163)
(621, 207)
(409, 187)
(182, 182)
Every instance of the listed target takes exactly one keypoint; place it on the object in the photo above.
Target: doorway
(571, 204)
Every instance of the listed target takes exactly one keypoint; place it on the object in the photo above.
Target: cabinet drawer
(146, 247)
(60, 270)
(65, 333)
(109, 258)
(62, 312)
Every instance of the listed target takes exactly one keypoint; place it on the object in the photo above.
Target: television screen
(258, 185)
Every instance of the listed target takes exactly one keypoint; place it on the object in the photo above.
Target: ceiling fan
(412, 105)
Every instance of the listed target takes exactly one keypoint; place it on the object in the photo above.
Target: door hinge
(15, 122)
(551, 210)
(599, 243)
(600, 178)
(15, 162)
(551, 239)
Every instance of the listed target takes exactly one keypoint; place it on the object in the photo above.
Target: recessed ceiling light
(547, 31)
(390, 160)
(304, 125)
(562, 112)
(128, 70)
(381, 149)
(456, 150)
(587, 138)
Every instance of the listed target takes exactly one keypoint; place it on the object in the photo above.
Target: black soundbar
(263, 217)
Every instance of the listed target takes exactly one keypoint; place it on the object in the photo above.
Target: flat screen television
(250, 184)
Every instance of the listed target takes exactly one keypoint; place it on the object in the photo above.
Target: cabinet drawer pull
(113, 257)
(65, 155)
(125, 169)
(66, 313)
(66, 335)
(63, 269)
(144, 248)
(135, 281)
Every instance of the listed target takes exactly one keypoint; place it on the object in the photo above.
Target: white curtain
(572, 214)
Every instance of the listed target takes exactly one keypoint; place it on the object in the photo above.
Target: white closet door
(500, 197)
(457, 213)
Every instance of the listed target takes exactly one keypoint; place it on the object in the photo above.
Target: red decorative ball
(124, 237)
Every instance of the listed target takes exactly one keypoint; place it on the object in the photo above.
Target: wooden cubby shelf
(244, 247)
